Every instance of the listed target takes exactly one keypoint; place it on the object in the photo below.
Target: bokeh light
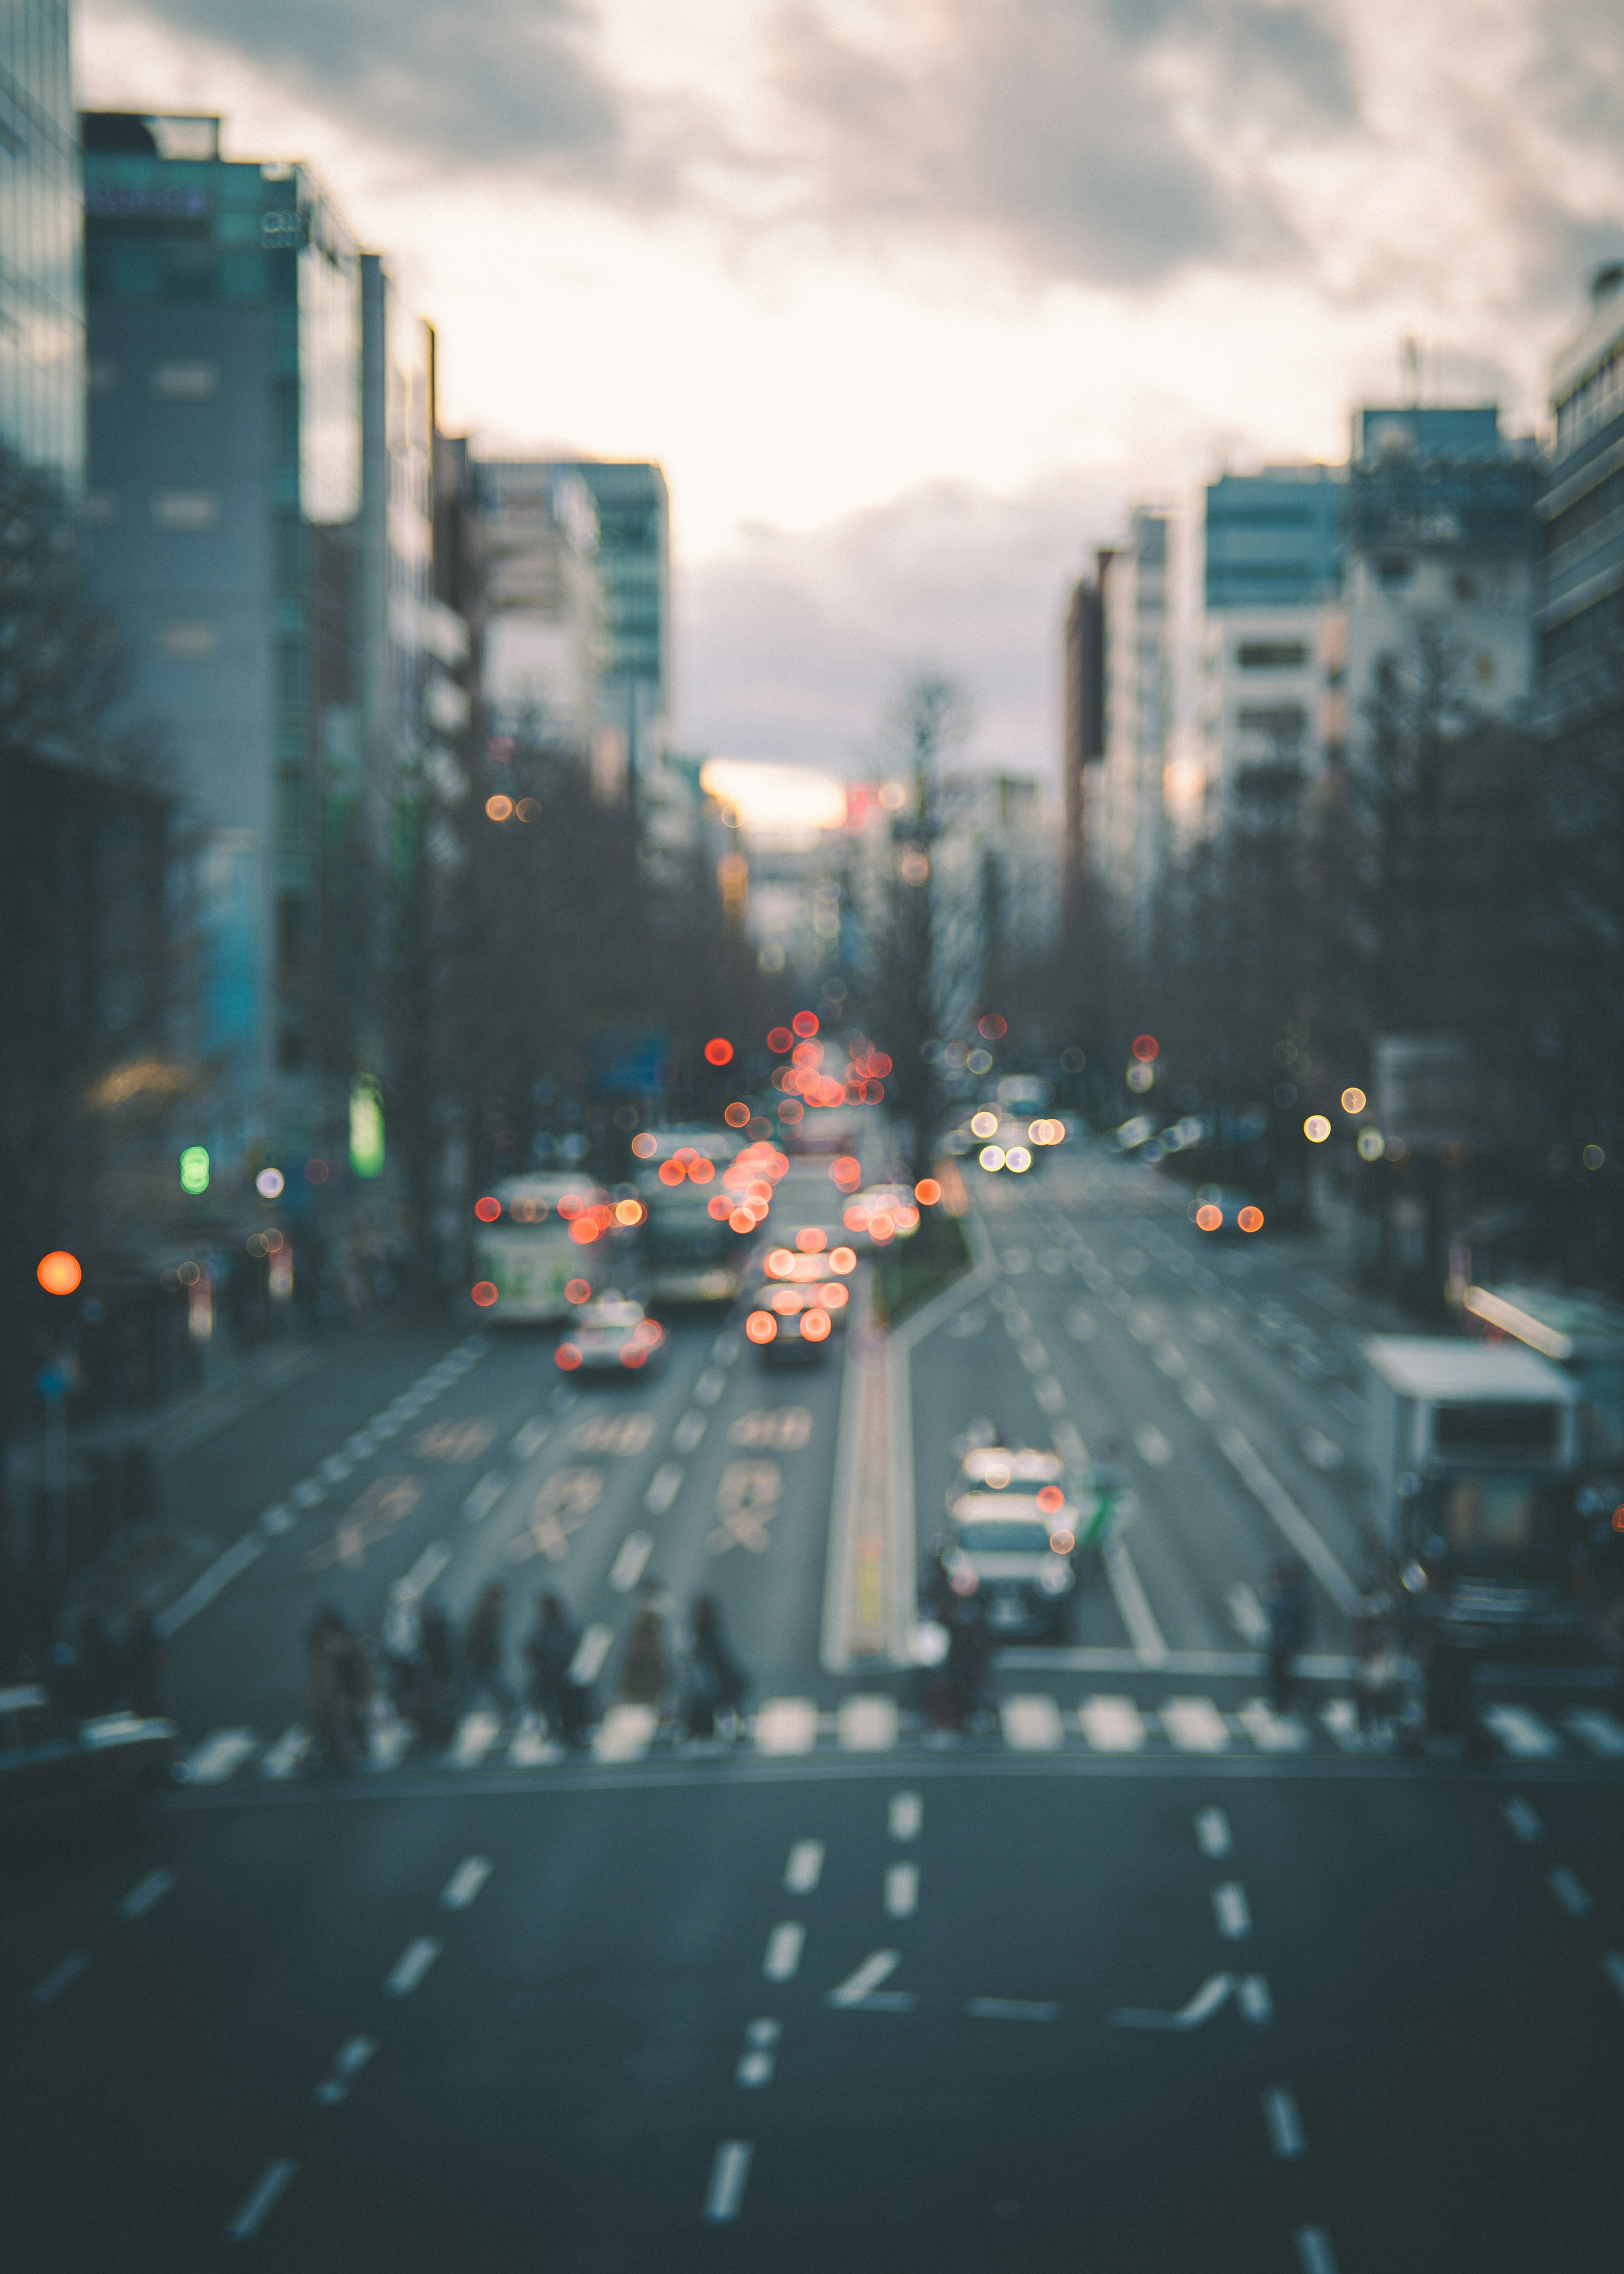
(719, 1050)
(58, 1273)
(842, 1258)
(577, 1290)
(499, 809)
(814, 1327)
(488, 1208)
(269, 1183)
(805, 1024)
(761, 1326)
(735, 1115)
(1251, 1219)
(645, 1144)
(810, 1240)
(1354, 1101)
(928, 1191)
(1145, 1047)
(1209, 1218)
(484, 1293)
(779, 1038)
(1316, 1129)
(568, 1356)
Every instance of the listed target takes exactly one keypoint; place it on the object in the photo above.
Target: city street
(1141, 1975)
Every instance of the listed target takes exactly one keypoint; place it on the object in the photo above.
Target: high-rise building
(634, 570)
(1129, 847)
(1082, 730)
(1579, 621)
(542, 616)
(42, 305)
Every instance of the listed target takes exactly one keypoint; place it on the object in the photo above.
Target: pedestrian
(334, 1694)
(549, 1649)
(403, 1641)
(1375, 1667)
(1286, 1603)
(482, 1650)
(714, 1683)
(969, 1650)
(645, 1667)
(147, 1662)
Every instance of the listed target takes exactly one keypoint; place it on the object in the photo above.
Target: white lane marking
(1082, 1325)
(760, 2057)
(1112, 1724)
(1271, 1732)
(728, 2175)
(485, 1496)
(203, 1589)
(784, 1945)
(303, 1495)
(530, 1439)
(875, 1969)
(286, 1757)
(1283, 2122)
(350, 2058)
(465, 1882)
(664, 1486)
(1132, 1603)
(334, 1470)
(868, 1725)
(1049, 1394)
(1323, 1451)
(1523, 1820)
(411, 1967)
(1252, 1994)
(1289, 1520)
(1246, 1613)
(1314, 2254)
(708, 1387)
(1601, 1732)
(1612, 1967)
(1521, 1731)
(725, 1349)
(1010, 2009)
(688, 1431)
(626, 1568)
(1017, 1260)
(785, 1725)
(1203, 1328)
(1213, 1835)
(261, 2199)
(1069, 1444)
(1200, 1399)
(1032, 1355)
(391, 1738)
(218, 1757)
(1195, 1725)
(1348, 1405)
(423, 1574)
(531, 1746)
(591, 1651)
(907, 1813)
(476, 1734)
(805, 1867)
(901, 1890)
(626, 1733)
(1151, 1446)
(145, 1894)
(62, 1976)
(277, 1520)
(1201, 2008)
(1569, 1892)
(1342, 1719)
(1171, 1360)
(1031, 1725)
(1143, 1327)
(1231, 1910)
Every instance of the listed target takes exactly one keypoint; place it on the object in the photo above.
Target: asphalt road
(1135, 1980)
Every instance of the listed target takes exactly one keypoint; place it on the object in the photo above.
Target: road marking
(805, 1867)
(1601, 1732)
(391, 1738)
(1289, 1520)
(1202, 2006)
(1271, 1732)
(689, 1430)
(307, 1494)
(1521, 1731)
(728, 2175)
(1112, 1724)
(868, 1725)
(619, 1434)
(1195, 1725)
(220, 1573)
(465, 1882)
(626, 1568)
(784, 1945)
(664, 1486)
(1151, 1446)
(725, 1349)
(262, 2199)
(708, 1387)
(1246, 1613)
(1010, 2009)
(561, 1506)
(1231, 1910)
(386, 1502)
(1213, 1835)
(907, 1813)
(1283, 2122)
(1200, 1399)
(423, 1573)
(901, 1890)
(476, 1734)
(591, 1651)
(1032, 1355)
(785, 1725)
(877, 1968)
(1573, 1897)
(1049, 1394)
(62, 1976)
(334, 1469)
(1323, 1451)
(1132, 1604)
(145, 1894)
(531, 1746)
(411, 1967)
(217, 1756)
(1144, 1328)
(286, 1757)
(485, 1496)
(760, 2056)
(1252, 1994)
(1523, 1820)
(350, 2058)
(1314, 2254)
(530, 1439)
(1341, 1718)
(277, 1520)
(747, 1498)
(1204, 1328)
(1017, 1260)
(1031, 1725)
(626, 1733)
(1171, 1360)
(1069, 1444)
(1082, 1325)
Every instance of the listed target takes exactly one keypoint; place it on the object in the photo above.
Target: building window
(185, 381)
(1272, 655)
(188, 639)
(187, 509)
(1285, 721)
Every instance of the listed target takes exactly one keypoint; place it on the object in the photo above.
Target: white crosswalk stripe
(626, 1733)
(1112, 1724)
(868, 1725)
(1271, 1732)
(218, 1757)
(1032, 1725)
(786, 1725)
(1602, 1733)
(1521, 1731)
(476, 1734)
(1195, 1725)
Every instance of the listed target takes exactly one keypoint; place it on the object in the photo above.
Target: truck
(1473, 1453)
(1584, 1334)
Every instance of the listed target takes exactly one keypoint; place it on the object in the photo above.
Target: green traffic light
(194, 1170)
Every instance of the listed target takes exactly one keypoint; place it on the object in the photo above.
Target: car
(1218, 1210)
(875, 1216)
(1093, 1497)
(1017, 1548)
(613, 1336)
(802, 1278)
(56, 1770)
(789, 1325)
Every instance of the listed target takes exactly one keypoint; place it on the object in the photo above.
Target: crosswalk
(787, 1728)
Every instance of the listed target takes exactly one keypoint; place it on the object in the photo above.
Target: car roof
(1024, 1465)
(609, 1313)
(999, 1508)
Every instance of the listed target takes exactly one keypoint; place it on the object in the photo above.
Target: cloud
(796, 646)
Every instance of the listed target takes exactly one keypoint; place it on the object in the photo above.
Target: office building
(634, 568)
(1129, 846)
(1082, 733)
(1579, 621)
(41, 307)
(541, 609)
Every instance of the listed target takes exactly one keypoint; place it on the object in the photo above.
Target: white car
(611, 1337)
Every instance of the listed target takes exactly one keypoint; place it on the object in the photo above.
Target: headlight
(1056, 1576)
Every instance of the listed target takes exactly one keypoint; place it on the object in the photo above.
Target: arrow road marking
(857, 1987)
(1201, 2008)
(1010, 2009)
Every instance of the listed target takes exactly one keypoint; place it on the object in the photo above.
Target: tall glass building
(41, 312)
(634, 570)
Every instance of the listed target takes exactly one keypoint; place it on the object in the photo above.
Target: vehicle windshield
(987, 1536)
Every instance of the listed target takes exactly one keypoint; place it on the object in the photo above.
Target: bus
(538, 1234)
(691, 1254)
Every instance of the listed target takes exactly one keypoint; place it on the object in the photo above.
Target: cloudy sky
(911, 297)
